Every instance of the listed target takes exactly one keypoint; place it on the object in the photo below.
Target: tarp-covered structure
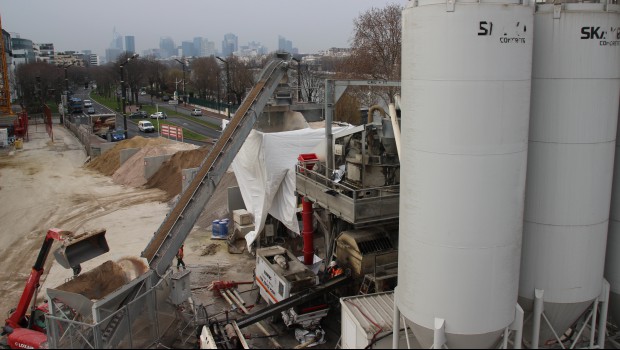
(265, 171)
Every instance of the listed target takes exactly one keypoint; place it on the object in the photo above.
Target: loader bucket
(81, 248)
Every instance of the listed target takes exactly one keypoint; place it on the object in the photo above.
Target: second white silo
(612, 258)
(575, 89)
(466, 75)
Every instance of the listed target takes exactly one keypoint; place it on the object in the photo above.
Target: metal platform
(356, 206)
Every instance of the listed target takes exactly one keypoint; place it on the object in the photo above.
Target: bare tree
(376, 46)
(204, 77)
(241, 78)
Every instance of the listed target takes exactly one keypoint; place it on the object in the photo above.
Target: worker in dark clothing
(180, 258)
(334, 270)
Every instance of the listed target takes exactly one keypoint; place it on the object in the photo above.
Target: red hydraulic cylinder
(306, 216)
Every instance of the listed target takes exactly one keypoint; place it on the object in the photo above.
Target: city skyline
(312, 27)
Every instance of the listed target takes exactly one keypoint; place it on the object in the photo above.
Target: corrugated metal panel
(377, 307)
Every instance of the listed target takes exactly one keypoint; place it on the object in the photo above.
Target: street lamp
(184, 94)
(227, 82)
(66, 88)
(123, 92)
(298, 79)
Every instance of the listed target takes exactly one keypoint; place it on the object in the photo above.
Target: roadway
(186, 123)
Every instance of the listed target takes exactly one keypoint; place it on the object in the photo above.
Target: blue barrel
(215, 228)
(224, 227)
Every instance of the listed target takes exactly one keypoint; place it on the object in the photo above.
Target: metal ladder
(367, 286)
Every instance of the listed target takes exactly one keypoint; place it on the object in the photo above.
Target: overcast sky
(78, 25)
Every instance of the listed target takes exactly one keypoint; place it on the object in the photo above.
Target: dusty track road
(44, 186)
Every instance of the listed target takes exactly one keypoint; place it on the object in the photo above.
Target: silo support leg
(602, 324)
(395, 326)
(593, 323)
(517, 327)
(536, 316)
(439, 334)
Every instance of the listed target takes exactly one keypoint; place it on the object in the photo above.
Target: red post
(306, 216)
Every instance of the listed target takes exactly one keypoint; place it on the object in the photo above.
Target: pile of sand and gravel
(109, 162)
(169, 177)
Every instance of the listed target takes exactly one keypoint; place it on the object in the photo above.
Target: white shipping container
(357, 329)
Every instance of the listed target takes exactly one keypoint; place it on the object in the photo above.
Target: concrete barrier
(152, 164)
(127, 153)
(187, 177)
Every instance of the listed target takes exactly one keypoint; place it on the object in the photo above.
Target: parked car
(142, 93)
(166, 98)
(196, 112)
(146, 126)
(88, 103)
(158, 115)
(113, 135)
(139, 114)
(117, 135)
(90, 110)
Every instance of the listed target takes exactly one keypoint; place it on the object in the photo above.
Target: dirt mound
(131, 173)
(109, 162)
(98, 282)
(168, 177)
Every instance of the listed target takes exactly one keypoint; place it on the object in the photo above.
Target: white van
(88, 103)
(146, 126)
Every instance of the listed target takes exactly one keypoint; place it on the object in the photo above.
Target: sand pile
(131, 173)
(168, 178)
(109, 162)
(105, 278)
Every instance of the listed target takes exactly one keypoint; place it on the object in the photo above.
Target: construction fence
(141, 323)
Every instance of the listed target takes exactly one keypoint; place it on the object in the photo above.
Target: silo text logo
(605, 38)
(511, 36)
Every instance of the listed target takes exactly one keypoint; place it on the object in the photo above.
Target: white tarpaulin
(265, 171)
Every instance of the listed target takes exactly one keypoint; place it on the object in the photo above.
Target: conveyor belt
(178, 224)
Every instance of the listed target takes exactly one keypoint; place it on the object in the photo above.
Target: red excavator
(28, 331)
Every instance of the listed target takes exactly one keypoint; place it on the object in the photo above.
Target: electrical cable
(369, 320)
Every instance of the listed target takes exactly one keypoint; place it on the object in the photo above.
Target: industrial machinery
(372, 258)
(280, 275)
(29, 330)
(366, 155)
(119, 318)
(574, 112)
(465, 114)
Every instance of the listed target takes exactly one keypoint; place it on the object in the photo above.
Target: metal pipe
(536, 316)
(396, 127)
(306, 215)
(406, 332)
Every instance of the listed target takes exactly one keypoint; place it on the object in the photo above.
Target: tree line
(375, 54)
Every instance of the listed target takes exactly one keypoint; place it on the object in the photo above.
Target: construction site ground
(48, 184)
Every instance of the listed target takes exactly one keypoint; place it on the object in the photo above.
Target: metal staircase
(178, 224)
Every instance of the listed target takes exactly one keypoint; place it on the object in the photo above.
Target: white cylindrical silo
(612, 258)
(574, 113)
(466, 75)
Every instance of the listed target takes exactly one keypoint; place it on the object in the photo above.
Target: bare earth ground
(45, 185)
